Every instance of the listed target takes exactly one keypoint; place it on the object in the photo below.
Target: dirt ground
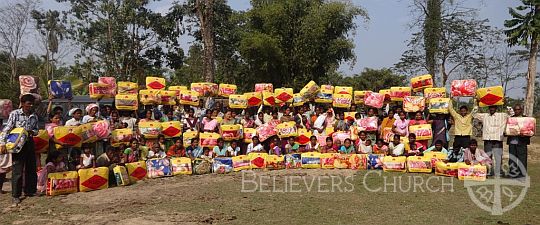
(219, 199)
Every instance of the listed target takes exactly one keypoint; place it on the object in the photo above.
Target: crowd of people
(318, 119)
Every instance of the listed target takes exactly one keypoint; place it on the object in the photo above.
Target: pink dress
(402, 127)
(42, 175)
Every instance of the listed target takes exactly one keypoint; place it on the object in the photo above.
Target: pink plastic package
(375, 100)
(463, 88)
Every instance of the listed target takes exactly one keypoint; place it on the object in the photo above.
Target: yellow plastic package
(136, 171)
(342, 100)
(189, 98)
(420, 82)
(396, 164)
(238, 101)
(126, 102)
(93, 179)
(490, 96)
(257, 160)
(149, 97)
(171, 129)
(181, 166)
(156, 83)
(343, 90)
(419, 164)
(225, 90)
(311, 160)
(283, 95)
(61, 183)
(287, 129)
(241, 162)
(126, 87)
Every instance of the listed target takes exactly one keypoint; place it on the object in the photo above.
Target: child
(87, 160)
(156, 152)
(163, 143)
(380, 148)
(456, 155)
(233, 149)
(291, 146)
(337, 145)
(177, 150)
(347, 147)
(396, 148)
(329, 147)
(55, 163)
(207, 154)
(143, 149)
(313, 145)
(438, 147)
(194, 150)
(276, 149)
(366, 147)
(473, 155)
(132, 153)
(414, 148)
(254, 146)
(362, 137)
(220, 150)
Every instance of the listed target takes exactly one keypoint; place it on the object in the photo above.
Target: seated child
(156, 152)
(194, 150)
(207, 154)
(329, 147)
(275, 146)
(220, 150)
(291, 146)
(233, 149)
(413, 147)
(337, 145)
(396, 148)
(365, 148)
(54, 163)
(438, 147)
(380, 147)
(87, 159)
(347, 147)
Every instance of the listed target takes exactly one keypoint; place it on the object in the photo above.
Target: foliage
(370, 79)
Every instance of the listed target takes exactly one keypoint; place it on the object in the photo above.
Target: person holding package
(517, 146)
(463, 125)
(494, 124)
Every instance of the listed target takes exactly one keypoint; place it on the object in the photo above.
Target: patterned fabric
(493, 125)
(18, 119)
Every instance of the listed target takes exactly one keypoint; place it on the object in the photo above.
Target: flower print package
(60, 89)
(525, 126)
(463, 88)
(181, 166)
(30, 85)
(158, 168)
(222, 165)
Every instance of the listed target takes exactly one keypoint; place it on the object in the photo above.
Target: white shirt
(252, 148)
(493, 125)
(87, 160)
(396, 150)
(87, 118)
(73, 122)
(233, 152)
(130, 122)
(160, 154)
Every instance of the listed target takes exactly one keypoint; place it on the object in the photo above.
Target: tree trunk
(432, 33)
(205, 13)
(531, 78)
(13, 65)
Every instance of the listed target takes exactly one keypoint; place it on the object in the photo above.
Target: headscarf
(90, 107)
(72, 111)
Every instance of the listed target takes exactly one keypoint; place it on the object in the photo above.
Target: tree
(53, 31)
(432, 32)
(523, 29)
(370, 79)
(14, 18)
(124, 38)
(205, 13)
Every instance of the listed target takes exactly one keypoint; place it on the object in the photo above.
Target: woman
(260, 119)
(440, 129)
(247, 122)
(401, 125)
(114, 120)
(274, 121)
(209, 124)
(228, 119)
(419, 120)
(147, 116)
(387, 124)
(177, 150)
(132, 153)
(286, 116)
(372, 135)
(189, 123)
(91, 116)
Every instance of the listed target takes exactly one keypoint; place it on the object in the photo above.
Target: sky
(378, 43)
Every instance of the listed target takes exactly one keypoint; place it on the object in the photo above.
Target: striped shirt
(17, 119)
(493, 125)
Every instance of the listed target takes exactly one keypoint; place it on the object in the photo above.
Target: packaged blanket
(188, 97)
(188, 135)
(396, 164)
(110, 82)
(29, 85)
(16, 139)
(268, 98)
(303, 136)
(283, 95)
(168, 97)
(287, 129)
(490, 96)
(257, 160)
(521, 126)
(423, 131)
(208, 139)
(472, 172)
(254, 98)
(414, 103)
(121, 175)
(275, 162)
(439, 105)
(419, 164)
(349, 115)
(265, 131)
(156, 83)
(205, 89)
(264, 87)
(375, 161)
(298, 100)
(158, 168)
(150, 97)
(41, 141)
(435, 157)
(202, 166)
(343, 90)
(342, 100)
(446, 169)
(126, 87)
(60, 89)
(430, 93)
(248, 134)
(341, 136)
(70, 136)
(463, 88)
(241, 162)
(87, 133)
(311, 160)
(327, 160)
(231, 132)
(374, 100)
(136, 171)
(420, 82)
(368, 124)
(398, 93)
(181, 166)
(178, 89)
(171, 129)
(225, 90)
(293, 161)
(222, 165)
(358, 161)
(325, 94)
(386, 94)
(150, 129)
(359, 96)
(238, 101)
(62, 183)
(342, 161)
(6, 106)
(121, 136)
(310, 90)
(93, 179)
(127, 102)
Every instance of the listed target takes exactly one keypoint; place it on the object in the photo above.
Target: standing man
(463, 124)
(517, 146)
(25, 160)
(494, 124)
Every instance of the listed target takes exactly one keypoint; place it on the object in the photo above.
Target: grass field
(218, 199)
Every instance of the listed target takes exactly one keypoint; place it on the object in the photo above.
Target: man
(25, 160)
(463, 124)
(517, 146)
(494, 124)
